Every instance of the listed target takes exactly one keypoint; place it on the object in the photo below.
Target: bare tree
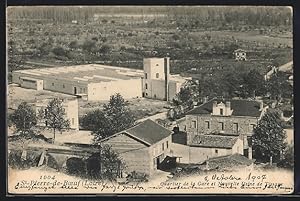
(55, 116)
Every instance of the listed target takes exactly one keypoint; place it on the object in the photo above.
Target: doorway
(75, 90)
(157, 163)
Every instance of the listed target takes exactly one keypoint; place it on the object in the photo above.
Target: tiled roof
(240, 107)
(214, 141)
(230, 161)
(148, 131)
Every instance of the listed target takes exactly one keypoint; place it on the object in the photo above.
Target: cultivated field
(126, 41)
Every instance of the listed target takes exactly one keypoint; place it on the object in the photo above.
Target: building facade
(94, 82)
(98, 82)
(158, 83)
(142, 147)
(70, 107)
(226, 118)
(205, 147)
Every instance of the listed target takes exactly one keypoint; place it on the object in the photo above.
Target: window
(157, 64)
(163, 146)
(167, 144)
(194, 124)
(157, 75)
(221, 125)
(221, 111)
(207, 124)
(145, 75)
(63, 86)
(73, 121)
(146, 86)
(45, 111)
(146, 94)
(235, 127)
(52, 84)
(216, 151)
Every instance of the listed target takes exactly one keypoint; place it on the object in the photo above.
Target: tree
(288, 158)
(73, 44)
(231, 82)
(23, 118)
(89, 45)
(55, 116)
(118, 111)
(187, 95)
(268, 138)
(104, 49)
(59, 51)
(253, 83)
(111, 163)
(175, 113)
(115, 117)
(278, 86)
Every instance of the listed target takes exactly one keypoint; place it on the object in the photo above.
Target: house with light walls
(219, 127)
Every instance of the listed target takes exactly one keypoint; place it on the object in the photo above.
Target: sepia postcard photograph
(150, 100)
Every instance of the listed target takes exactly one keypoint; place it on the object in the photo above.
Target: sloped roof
(214, 141)
(239, 50)
(240, 107)
(149, 132)
(229, 161)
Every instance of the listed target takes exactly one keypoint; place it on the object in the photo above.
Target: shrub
(75, 166)
(73, 44)
(59, 51)
(15, 159)
(88, 45)
(175, 37)
(288, 158)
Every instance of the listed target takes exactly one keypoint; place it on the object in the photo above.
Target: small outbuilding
(240, 55)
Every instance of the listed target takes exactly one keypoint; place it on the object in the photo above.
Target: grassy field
(130, 40)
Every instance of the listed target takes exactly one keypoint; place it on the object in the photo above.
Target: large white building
(99, 82)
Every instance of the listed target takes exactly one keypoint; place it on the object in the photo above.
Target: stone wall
(197, 124)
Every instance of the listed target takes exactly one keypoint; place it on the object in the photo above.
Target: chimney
(228, 105)
(214, 108)
(167, 74)
(215, 104)
(176, 129)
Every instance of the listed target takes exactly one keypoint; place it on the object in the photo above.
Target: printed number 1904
(47, 177)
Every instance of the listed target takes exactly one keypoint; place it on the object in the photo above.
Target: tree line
(230, 84)
(258, 15)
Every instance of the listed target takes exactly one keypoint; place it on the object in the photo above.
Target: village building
(142, 147)
(219, 127)
(240, 55)
(70, 106)
(204, 147)
(98, 82)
